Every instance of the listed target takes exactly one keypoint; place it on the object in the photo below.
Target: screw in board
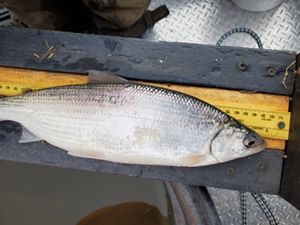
(242, 66)
(271, 71)
(281, 125)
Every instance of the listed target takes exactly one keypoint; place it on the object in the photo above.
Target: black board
(182, 63)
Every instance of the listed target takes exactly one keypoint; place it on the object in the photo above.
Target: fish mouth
(259, 146)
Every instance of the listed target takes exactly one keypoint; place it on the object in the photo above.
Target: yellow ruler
(266, 114)
(268, 124)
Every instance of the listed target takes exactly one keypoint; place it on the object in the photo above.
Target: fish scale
(128, 123)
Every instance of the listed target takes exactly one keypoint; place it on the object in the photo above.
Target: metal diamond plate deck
(227, 204)
(207, 20)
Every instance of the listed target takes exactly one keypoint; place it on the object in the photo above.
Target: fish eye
(249, 140)
(250, 143)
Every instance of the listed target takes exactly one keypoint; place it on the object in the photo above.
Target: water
(35, 195)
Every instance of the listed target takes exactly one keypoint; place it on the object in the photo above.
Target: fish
(113, 119)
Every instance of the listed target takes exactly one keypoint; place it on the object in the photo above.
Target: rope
(243, 205)
(265, 207)
(241, 30)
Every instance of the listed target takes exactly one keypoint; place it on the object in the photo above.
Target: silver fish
(127, 122)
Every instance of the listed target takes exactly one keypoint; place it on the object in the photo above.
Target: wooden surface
(181, 63)
(41, 79)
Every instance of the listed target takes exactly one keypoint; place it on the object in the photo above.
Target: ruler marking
(266, 123)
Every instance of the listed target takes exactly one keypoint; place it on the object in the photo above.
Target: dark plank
(291, 171)
(183, 63)
(258, 173)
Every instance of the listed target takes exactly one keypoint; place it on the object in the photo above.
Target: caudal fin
(4, 108)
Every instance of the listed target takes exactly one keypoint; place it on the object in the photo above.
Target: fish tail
(1, 108)
(4, 105)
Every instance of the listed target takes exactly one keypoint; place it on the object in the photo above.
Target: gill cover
(234, 141)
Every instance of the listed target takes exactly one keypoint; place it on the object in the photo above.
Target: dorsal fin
(105, 77)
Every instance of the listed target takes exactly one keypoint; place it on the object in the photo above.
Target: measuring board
(266, 120)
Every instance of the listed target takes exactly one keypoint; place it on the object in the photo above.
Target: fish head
(235, 141)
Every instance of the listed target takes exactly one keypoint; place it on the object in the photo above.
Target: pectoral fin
(192, 160)
(86, 154)
(28, 137)
(105, 77)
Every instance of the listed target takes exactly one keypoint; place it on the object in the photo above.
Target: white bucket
(257, 5)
